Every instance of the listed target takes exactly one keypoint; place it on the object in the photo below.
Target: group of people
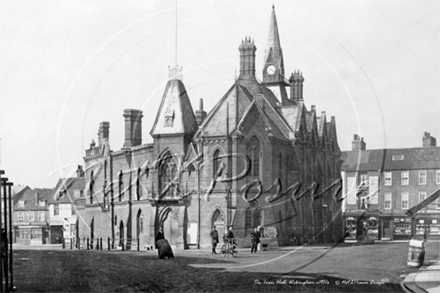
(229, 236)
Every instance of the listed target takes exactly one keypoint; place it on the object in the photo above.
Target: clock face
(271, 69)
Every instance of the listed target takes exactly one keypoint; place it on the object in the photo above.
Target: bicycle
(229, 248)
(294, 240)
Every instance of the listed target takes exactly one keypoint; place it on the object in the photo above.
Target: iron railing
(6, 267)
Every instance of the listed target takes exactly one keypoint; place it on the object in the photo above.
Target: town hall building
(259, 158)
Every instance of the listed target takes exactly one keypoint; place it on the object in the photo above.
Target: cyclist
(229, 236)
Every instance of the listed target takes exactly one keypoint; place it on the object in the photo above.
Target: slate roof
(30, 199)
(66, 187)
(175, 103)
(382, 159)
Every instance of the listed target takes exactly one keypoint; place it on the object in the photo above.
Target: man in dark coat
(230, 234)
(159, 236)
(255, 235)
(214, 239)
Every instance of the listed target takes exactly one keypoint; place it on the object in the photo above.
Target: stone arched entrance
(218, 220)
(139, 223)
(170, 226)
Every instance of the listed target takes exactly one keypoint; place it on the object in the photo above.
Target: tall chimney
(247, 50)
(133, 128)
(428, 140)
(103, 132)
(37, 198)
(358, 143)
(200, 114)
(296, 86)
(80, 171)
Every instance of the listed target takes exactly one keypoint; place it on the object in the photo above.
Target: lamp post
(324, 221)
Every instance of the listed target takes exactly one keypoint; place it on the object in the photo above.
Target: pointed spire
(273, 39)
(273, 69)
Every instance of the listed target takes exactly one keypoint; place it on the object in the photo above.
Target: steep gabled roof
(253, 112)
(236, 99)
(176, 107)
(392, 159)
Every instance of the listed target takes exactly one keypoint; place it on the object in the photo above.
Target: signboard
(351, 190)
(56, 222)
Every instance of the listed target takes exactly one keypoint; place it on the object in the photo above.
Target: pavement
(425, 279)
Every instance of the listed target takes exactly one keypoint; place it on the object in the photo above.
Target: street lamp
(324, 220)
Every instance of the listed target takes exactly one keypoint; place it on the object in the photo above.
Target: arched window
(253, 151)
(252, 217)
(216, 162)
(167, 173)
(138, 184)
(191, 170)
(140, 223)
(91, 183)
(121, 186)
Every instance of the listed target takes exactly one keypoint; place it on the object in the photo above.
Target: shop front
(30, 234)
(401, 228)
(362, 223)
(427, 226)
(61, 229)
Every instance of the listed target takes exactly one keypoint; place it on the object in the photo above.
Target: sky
(66, 66)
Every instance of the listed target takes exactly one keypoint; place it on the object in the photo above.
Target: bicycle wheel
(234, 250)
(305, 241)
(224, 250)
(293, 242)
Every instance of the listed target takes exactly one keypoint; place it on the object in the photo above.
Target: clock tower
(273, 70)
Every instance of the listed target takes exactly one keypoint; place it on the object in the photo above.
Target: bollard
(78, 243)
(97, 243)
(87, 243)
(122, 245)
(138, 242)
(108, 243)
(64, 243)
(71, 243)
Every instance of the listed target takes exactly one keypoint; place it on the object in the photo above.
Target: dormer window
(21, 204)
(77, 193)
(169, 118)
(42, 203)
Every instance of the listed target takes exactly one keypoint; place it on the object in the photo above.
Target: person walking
(255, 238)
(214, 239)
(159, 235)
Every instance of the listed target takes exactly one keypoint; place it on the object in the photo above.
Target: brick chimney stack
(358, 143)
(247, 50)
(200, 114)
(103, 132)
(296, 86)
(428, 140)
(80, 171)
(133, 128)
